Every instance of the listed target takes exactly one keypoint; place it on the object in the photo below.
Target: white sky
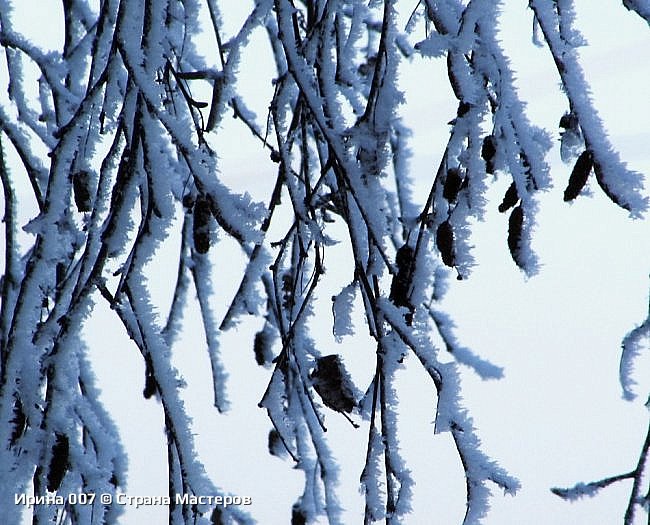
(557, 418)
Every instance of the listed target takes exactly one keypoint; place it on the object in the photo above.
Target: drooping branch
(131, 159)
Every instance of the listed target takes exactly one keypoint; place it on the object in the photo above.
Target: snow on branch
(621, 185)
(117, 153)
(634, 343)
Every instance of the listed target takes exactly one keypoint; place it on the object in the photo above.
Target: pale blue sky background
(557, 418)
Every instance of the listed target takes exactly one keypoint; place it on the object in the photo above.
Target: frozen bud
(333, 384)
(18, 421)
(564, 121)
(217, 516)
(81, 181)
(114, 481)
(287, 283)
(61, 270)
(368, 67)
(150, 388)
(201, 226)
(579, 175)
(288, 299)
(463, 109)
(509, 199)
(488, 151)
(399, 290)
(453, 183)
(58, 462)
(445, 243)
(489, 147)
(262, 347)
(569, 121)
(188, 201)
(571, 144)
(401, 284)
(275, 444)
(150, 385)
(515, 226)
(298, 516)
(404, 258)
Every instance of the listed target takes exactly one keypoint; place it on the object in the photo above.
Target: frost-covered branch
(117, 152)
(633, 343)
(637, 499)
(621, 185)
